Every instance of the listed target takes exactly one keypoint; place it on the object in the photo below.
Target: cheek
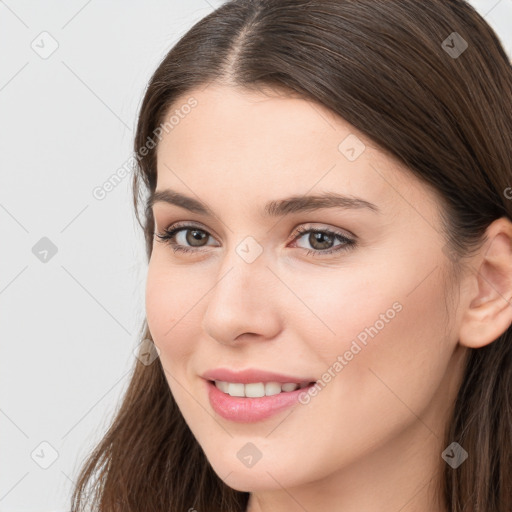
(386, 381)
(340, 309)
(169, 312)
(389, 353)
(390, 313)
(389, 317)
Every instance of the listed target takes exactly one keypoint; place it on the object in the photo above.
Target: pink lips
(247, 410)
(252, 375)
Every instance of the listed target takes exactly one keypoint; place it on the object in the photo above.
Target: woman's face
(368, 320)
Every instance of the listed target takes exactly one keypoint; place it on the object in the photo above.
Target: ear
(489, 311)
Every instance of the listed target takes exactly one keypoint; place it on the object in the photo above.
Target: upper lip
(252, 375)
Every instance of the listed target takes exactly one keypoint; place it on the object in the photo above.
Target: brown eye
(184, 238)
(195, 237)
(188, 238)
(322, 241)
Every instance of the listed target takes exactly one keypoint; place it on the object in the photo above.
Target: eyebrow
(274, 208)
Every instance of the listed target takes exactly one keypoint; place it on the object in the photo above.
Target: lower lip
(248, 410)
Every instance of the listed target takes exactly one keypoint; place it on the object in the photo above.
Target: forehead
(262, 145)
(263, 125)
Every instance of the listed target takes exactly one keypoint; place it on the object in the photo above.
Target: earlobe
(489, 311)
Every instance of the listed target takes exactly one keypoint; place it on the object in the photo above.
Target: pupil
(317, 237)
(196, 237)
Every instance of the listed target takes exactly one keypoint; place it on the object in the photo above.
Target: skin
(372, 438)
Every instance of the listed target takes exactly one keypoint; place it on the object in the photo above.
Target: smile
(247, 403)
(257, 389)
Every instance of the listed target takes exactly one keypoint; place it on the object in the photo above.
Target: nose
(243, 303)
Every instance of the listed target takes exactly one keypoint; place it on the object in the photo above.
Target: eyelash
(168, 238)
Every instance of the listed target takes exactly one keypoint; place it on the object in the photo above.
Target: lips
(249, 410)
(238, 395)
(252, 375)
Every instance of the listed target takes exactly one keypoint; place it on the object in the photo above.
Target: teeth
(253, 390)
(236, 389)
(223, 386)
(257, 389)
(272, 388)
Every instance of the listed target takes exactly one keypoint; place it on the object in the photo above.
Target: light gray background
(71, 323)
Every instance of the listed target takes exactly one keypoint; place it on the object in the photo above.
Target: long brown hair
(396, 71)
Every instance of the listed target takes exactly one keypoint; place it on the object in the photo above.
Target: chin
(248, 481)
(261, 477)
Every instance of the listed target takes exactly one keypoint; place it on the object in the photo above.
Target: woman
(328, 229)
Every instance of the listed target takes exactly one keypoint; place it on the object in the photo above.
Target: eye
(321, 240)
(185, 233)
